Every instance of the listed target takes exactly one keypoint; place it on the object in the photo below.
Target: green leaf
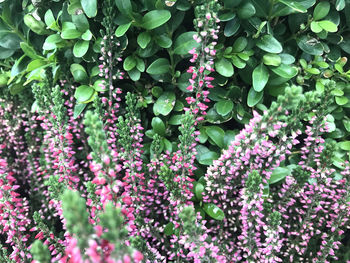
(321, 10)
(89, 7)
(50, 20)
(79, 73)
(340, 5)
(269, 44)
(29, 51)
(129, 63)
(216, 134)
(164, 104)
(294, 5)
(80, 48)
(124, 6)
(346, 123)
(158, 126)
(81, 22)
(224, 67)
(175, 119)
(205, 156)
(87, 35)
(9, 40)
(163, 41)
(78, 109)
(69, 31)
(121, 30)
(329, 26)
(159, 66)
(51, 41)
(285, 71)
(229, 137)
(140, 64)
(272, 60)
(246, 10)
(254, 97)
(19, 66)
(260, 77)
(83, 93)
(34, 64)
(143, 39)
(341, 100)
(240, 44)
(278, 174)
(310, 45)
(184, 43)
(315, 27)
(198, 191)
(344, 145)
(213, 211)
(203, 137)
(224, 107)
(6, 53)
(155, 18)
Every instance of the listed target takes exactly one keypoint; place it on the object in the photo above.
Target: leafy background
(263, 47)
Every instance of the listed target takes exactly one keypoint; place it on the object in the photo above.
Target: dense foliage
(174, 131)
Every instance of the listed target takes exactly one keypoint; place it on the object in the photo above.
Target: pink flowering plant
(174, 131)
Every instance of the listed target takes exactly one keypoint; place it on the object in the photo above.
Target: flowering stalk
(206, 24)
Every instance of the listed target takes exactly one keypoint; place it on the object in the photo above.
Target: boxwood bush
(174, 131)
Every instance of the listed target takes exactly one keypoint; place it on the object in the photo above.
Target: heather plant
(174, 131)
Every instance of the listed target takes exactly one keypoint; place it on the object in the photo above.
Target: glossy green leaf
(203, 137)
(87, 35)
(329, 26)
(198, 191)
(169, 229)
(129, 63)
(83, 93)
(175, 119)
(143, 39)
(164, 104)
(80, 48)
(315, 27)
(213, 211)
(224, 67)
(294, 5)
(69, 31)
(50, 20)
(229, 137)
(310, 45)
(155, 18)
(124, 6)
(340, 5)
(79, 73)
(224, 107)
(134, 74)
(346, 123)
(51, 41)
(344, 145)
(158, 126)
(121, 30)
(278, 174)
(9, 40)
(78, 109)
(232, 27)
(89, 7)
(81, 22)
(246, 10)
(260, 77)
(285, 71)
(216, 134)
(29, 50)
(240, 44)
(34, 64)
(159, 66)
(341, 100)
(254, 97)
(184, 43)
(164, 41)
(269, 44)
(272, 60)
(321, 10)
